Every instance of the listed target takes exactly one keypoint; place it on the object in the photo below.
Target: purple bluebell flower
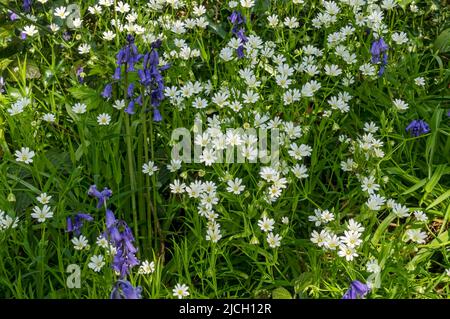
(102, 196)
(124, 290)
(150, 76)
(107, 91)
(121, 236)
(128, 55)
(379, 47)
(357, 290)
(74, 225)
(130, 90)
(130, 108)
(448, 113)
(418, 127)
(80, 74)
(117, 73)
(157, 117)
(26, 5)
(23, 35)
(13, 16)
(237, 19)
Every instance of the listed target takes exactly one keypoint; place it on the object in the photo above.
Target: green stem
(132, 175)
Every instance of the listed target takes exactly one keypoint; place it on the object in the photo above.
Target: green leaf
(442, 42)
(281, 293)
(87, 95)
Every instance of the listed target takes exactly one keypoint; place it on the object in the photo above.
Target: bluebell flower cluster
(121, 236)
(418, 127)
(379, 54)
(124, 290)
(151, 78)
(237, 20)
(74, 225)
(357, 290)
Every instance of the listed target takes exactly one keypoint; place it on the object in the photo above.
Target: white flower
(447, 272)
(30, 30)
(266, 224)
(235, 186)
(122, 7)
(61, 12)
(419, 81)
(96, 263)
(415, 235)
(274, 240)
(372, 266)
(49, 117)
(84, 48)
(103, 119)
(355, 226)
(348, 252)
(400, 211)
(102, 241)
(80, 243)
(213, 233)
(285, 220)
(351, 239)
(174, 165)
(43, 198)
(79, 108)
(400, 105)
(247, 3)
(420, 216)
(300, 171)
(25, 155)
(176, 187)
(109, 35)
(149, 168)
(41, 214)
(146, 267)
(319, 238)
(375, 202)
(7, 221)
(368, 185)
(400, 38)
(77, 22)
(180, 291)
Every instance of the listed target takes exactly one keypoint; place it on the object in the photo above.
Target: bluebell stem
(357, 290)
(102, 196)
(124, 290)
(76, 224)
(418, 127)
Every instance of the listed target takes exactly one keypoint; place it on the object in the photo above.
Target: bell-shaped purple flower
(418, 127)
(123, 289)
(26, 5)
(74, 225)
(102, 196)
(107, 91)
(357, 290)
